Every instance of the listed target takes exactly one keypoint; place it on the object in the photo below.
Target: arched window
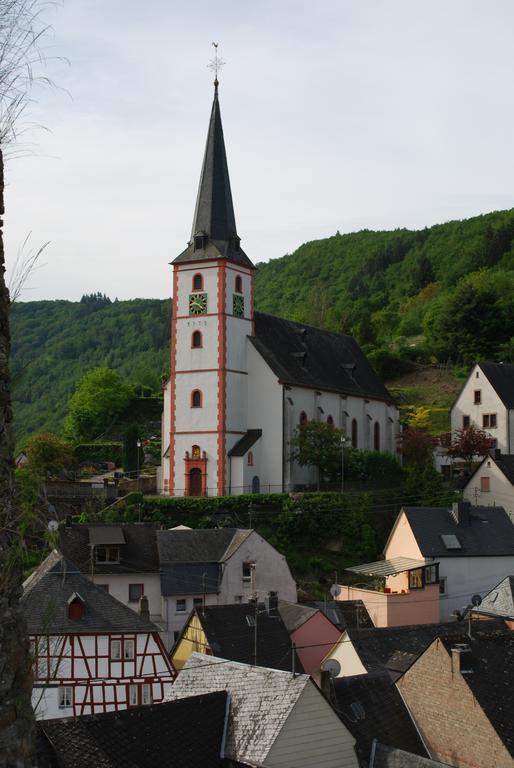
(256, 485)
(376, 436)
(196, 340)
(330, 421)
(195, 451)
(250, 459)
(197, 282)
(354, 433)
(196, 398)
(239, 284)
(303, 418)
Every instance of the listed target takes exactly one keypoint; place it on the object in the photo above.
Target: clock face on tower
(197, 303)
(238, 305)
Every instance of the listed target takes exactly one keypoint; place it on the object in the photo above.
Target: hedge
(99, 452)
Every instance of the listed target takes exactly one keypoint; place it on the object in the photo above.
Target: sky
(339, 115)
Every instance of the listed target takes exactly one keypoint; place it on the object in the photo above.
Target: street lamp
(343, 443)
(138, 443)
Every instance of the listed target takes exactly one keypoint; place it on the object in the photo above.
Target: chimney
(272, 605)
(144, 610)
(460, 512)
(462, 658)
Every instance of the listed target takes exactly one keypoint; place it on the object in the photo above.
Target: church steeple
(214, 234)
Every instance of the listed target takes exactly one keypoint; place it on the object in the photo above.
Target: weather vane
(216, 64)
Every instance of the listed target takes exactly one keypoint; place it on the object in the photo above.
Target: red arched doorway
(195, 482)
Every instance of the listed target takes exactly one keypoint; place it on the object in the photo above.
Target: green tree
(317, 444)
(99, 398)
(416, 446)
(49, 454)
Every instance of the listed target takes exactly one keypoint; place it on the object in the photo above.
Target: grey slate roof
(492, 679)
(346, 613)
(214, 212)
(389, 757)
(489, 532)
(200, 545)
(245, 443)
(294, 614)
(501, 377)
(395, 649)
(183, 733)
(45, 603)
(302, 355)
(261, 701)
(372, 708)
(190, 579)
(499, 601)
(231, 636)
(137, 555)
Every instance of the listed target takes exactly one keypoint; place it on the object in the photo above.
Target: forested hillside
(445, 292)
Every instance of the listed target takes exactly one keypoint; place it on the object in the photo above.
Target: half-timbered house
(91, 653)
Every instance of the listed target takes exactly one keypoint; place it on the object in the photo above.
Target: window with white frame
(442, 585)
(180, 605)
(133, 697)
(116, 650)
(248, 569)
(146, 694)
(128, 650)
(65, 694)
(107, 554)
(136, 591)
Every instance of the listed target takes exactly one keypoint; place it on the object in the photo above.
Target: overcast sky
(338, 115)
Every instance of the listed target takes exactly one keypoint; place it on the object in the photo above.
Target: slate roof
(501, 377)
(499, 601)
(137, 555)
(199, 545)
(489, 532)
(261, 701)
(492, 679)
(231, 636)
(346, 613)
(389, 757)
(190, 579)
(214, 212)
(45, 603)
(294, 614)
(395, 649)
(183, 733)
(302, 355)
(504, 462)
(372, 708)
(245, 443)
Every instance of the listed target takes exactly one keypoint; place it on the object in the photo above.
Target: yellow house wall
(193, 639)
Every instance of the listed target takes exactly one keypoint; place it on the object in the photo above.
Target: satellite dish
(335, 590)
(333, 667)
(53, 525)
(476, 600)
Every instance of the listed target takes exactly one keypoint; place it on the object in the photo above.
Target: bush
(99, 452)
(387, 364)
(374, 467)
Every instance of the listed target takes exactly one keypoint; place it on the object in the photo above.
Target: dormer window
(107, 554)
(199, 242)
(76, 607)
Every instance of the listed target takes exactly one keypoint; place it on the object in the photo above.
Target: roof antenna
(214, 65)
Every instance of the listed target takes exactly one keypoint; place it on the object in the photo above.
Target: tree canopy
(99, 398)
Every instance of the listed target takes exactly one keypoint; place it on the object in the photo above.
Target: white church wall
(236, 406)
(265, 412)
(191, 358)
(209, 272)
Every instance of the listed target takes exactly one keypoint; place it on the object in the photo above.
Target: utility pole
(255, 632)
(293, 659)
(203, 593)
(343, 443)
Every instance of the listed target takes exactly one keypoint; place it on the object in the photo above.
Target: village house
(242, 381)
(487, 401)
(392, 649)
(459, 693)
(91, 653)
(276, 718)
(252, 633)
(311, 633)
(185, 733)
(435, 560)
(492, 483)
(177, 569)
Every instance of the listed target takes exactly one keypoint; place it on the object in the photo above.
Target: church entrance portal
(256, 485)
(195, 482)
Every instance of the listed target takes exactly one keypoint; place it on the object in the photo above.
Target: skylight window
(450, 541)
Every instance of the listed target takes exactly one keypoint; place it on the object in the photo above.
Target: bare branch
(24, 266)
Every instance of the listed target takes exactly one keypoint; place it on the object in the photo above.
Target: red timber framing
(98, 682)
(222, 378)
(173, 385)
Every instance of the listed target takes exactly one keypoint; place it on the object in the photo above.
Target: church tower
(212, 316)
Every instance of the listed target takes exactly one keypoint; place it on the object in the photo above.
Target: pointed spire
(214, 213)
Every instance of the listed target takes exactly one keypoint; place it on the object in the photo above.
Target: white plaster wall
(344, 652)
(490, 403)
(175, 620)
(466, 576)
(209, 271)
(204, 357)
(265, 412)
(501, 493)
(246, 275)
(119, 588)
(197, 419)
(271, 572)
(236, 405)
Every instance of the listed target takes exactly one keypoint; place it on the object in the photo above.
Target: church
(241, 382)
